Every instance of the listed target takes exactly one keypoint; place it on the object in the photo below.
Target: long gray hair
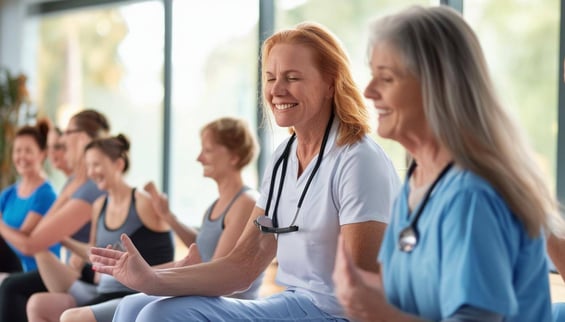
(443, 53)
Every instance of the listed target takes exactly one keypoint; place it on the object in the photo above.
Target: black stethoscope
(268, 225)
(408, 237)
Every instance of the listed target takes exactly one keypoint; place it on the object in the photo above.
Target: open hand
(127, 267)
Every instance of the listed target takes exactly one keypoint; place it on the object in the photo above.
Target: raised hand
(127, 267)
(191, 258)
(359, 292)
(159, 201)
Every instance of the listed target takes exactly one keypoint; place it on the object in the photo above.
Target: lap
(285, 306)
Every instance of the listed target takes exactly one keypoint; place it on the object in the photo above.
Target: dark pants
(15, 291)
(9, 261)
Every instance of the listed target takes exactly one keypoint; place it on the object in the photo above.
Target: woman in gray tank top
(123, 211)
(227, 147)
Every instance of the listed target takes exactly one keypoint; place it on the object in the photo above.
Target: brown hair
(92, 122)
(236, 136)
(115, 148)
(37, 132)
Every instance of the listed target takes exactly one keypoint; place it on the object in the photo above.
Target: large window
(109, 59)
(520, 40)
(112, 58)
(214, 74)
(349, 21)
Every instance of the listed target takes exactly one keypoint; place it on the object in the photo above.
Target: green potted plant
(14, 111)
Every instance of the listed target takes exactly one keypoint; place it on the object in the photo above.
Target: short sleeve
(478, 228)
(3, 196)
(367, 185)
(43, 199)
(88, 192)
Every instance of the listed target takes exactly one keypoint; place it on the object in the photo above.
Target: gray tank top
(155, 247)
(209, 235)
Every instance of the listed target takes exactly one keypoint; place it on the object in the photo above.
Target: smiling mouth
(282, 107)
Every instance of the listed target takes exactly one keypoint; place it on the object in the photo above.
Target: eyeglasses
(57, 146)
(69, 132)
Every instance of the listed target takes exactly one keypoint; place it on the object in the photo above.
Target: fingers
(105, 252)
(151, 189)
(128, 245)
(193, 256)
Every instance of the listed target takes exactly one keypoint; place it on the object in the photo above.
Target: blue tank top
(155, 247)
(208, 237)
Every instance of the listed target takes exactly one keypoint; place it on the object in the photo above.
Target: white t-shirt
(355, 183)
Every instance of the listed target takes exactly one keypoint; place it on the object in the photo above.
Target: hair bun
(123, 141)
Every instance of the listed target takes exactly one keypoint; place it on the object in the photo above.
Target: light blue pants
(285, 306)
(559, 312)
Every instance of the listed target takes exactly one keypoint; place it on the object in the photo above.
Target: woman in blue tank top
(123, 211)
(23, 204)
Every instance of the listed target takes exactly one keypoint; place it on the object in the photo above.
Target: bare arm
(57, 224)
(234, 272)
(363, 242)
(160, 205)
(235, 222)
(360, 292)
(79, 248)
(31, 220)
(556, 251)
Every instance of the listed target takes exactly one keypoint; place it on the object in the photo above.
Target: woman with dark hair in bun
(23, 204)
(69, 215)
(123, 210)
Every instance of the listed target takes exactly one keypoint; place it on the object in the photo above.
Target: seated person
(69, 215)
(23, 204)
(122, 211)
(228, 145)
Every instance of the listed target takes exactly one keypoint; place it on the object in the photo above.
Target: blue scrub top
(471, 251)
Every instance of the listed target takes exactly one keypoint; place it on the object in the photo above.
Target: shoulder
(461, 182)
(366, 157)
(9, 190)
(46, 188)
(97, 205)
(476, 201)
(142, 201)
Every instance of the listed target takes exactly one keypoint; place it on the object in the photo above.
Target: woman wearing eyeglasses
(465, 242)
(69, 215)
(328, 178)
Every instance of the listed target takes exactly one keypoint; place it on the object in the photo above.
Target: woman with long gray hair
(465, 242)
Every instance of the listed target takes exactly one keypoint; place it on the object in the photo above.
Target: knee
(79, 314)
(35, 306)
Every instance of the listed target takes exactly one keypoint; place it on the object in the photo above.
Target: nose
(371, 90)
(278, 87)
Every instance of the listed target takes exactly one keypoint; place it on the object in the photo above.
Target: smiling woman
(123, 210)
(69, 215)
(24, 203)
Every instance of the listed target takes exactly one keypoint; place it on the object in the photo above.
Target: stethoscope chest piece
(408, 239)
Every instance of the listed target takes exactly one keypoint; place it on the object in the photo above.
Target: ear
(120, 164)
(234, 159)
(331, 91)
